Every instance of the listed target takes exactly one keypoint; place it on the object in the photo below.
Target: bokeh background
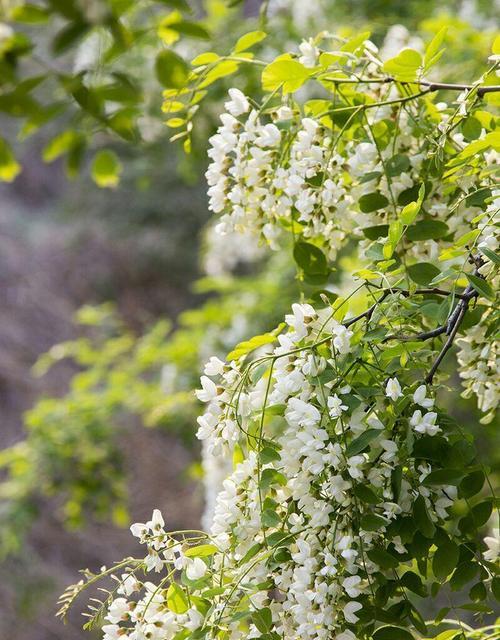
(113, 286)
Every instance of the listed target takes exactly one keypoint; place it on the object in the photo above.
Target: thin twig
(462, 306)
(431, 86)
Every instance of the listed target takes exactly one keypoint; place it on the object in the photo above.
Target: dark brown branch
(458, 317)
(431, 86)
(450, 328)
(455, 320)
(446, 86)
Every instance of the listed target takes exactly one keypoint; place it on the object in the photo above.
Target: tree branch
(431, 86)
(452, 327)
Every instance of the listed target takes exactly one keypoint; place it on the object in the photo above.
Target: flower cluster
(328, 488)
(479, 365)
(336, 467)
(296, 172)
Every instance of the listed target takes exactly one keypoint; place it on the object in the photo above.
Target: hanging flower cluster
(341, 471)
(336, 491)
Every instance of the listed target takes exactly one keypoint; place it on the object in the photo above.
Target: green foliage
(72, 448)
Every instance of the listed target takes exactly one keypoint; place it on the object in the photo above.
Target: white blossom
(393, 389)
(238, 103)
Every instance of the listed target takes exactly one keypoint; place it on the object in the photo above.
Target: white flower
(426, 423)
(493, 544)
(390, 450)
(342, 340)
(419, 397)
(128, 584)
(112, 632)
(208, 391)
(393, 389)
(355, 462)
(284, 113)
(139, 530)
(351, 585)
(301, 414)
(335, 406)
(214, 367)
(309, 53)
(300, 318)
(350, 611)
(118, 610)
(270, 136)
(195, 619)
(195, 569)
(156, 523)
(238, 103)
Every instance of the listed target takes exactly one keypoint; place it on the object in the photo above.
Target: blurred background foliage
(102, 224)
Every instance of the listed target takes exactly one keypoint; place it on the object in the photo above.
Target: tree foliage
(350, 488)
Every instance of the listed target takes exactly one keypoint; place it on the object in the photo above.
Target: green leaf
(205, 58)
(491, 139)
(269, 477)
(481, 512)
(427, 230)
(471, 128)
(9, 167)
(433, 52)
(176, 599)
(481, 286)
(268, 454)
(263, 620)
(270, 518)
(248, 40)
(286, 73)
(476, 606)
(361, 442)
(171, 70)
(417, 620)
(411, 210)
(365, 494)
(220, 70)
(478, 592)
(372, 522)
(375, 232)
(463, 574)
(404, 66)
(29, 14)
(444, 476)
(106, 169)
(191, 29)
(59, 145)
(414, 583)
(471, 484)
(494, 257)
(392, 633)
(201, 551)
(422, 520)
(382, 558)
(423, 272)
(396, 165)
(310, 258)
(495, 587)
(68, 36)
(247, 346)
(354, 43)
(372, 202)
(445, 559)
